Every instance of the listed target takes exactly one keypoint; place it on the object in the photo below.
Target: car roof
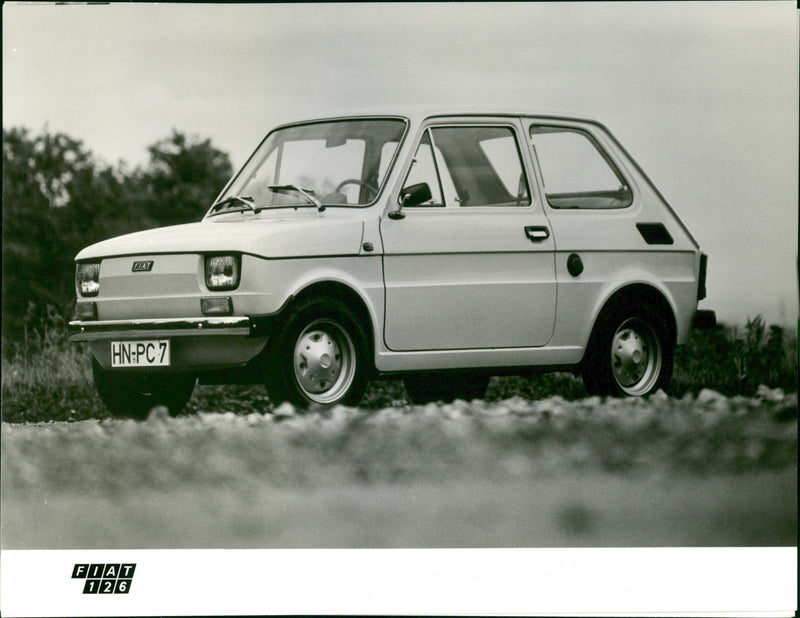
(418, 113)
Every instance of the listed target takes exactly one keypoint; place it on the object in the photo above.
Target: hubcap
(635, 356)
(324, 361)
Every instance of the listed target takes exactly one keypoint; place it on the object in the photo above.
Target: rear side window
(576, 172)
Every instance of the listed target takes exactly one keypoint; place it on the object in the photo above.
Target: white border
(664, 581)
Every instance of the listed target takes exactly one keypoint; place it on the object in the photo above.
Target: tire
(630, 353)
(320, 357)
(135, 394)
(422, 389)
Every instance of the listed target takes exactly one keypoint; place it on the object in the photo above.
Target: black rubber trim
(267, 324)
(701, 280)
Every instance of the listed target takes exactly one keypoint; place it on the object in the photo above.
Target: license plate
(153, 353)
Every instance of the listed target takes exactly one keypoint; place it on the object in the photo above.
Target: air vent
(654, 233)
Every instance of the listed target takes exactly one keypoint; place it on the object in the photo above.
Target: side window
(504, 158)
(471, 166)
(576, 172)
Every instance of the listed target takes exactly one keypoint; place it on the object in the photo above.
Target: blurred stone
(708, 396)
(285, 410)
(159, 414)
(497, 410)
(340, 414)
(454, 411)
(519, 406)
(770, 394)
(254, 418)
(659, 395)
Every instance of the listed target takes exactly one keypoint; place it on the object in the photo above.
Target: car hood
(319, 235)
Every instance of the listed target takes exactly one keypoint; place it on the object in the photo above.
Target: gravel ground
(705, 470)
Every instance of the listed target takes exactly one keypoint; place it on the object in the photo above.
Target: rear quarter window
(576, 172)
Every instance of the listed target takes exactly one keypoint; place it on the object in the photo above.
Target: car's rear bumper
(704, 319)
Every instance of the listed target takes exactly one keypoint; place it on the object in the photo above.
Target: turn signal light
(85, 311)
(216, 305)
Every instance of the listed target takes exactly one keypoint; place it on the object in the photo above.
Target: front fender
(293, 278)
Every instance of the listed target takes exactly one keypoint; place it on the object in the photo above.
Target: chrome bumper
(154, 328)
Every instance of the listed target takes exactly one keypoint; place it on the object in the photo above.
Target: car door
(473, 266)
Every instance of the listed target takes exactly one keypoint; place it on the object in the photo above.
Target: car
(440, 247)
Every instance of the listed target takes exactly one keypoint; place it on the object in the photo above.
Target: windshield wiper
(246, 200)
(306, 193)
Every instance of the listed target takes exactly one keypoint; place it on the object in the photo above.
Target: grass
(46, 378)
(736, 361)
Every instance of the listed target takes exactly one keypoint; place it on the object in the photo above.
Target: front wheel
(135, 394)
(630, 353)
(320, 357)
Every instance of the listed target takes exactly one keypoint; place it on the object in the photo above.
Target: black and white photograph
(399, 308)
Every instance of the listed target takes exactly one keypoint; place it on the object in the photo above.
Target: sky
(703, 95)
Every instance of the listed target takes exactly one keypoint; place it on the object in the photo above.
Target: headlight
(222, 272)
(87, 278)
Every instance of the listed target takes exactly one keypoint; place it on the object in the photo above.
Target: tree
(183, 178)
(48, 183)
(58, 199)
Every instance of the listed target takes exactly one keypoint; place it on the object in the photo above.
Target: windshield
(337, 163)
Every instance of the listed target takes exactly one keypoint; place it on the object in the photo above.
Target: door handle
(537, 233)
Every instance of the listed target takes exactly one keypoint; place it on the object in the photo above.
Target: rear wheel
(423, 389)
(630, 353)
(135, 394)
(320, 357)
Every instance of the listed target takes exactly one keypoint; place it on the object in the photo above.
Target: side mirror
(415, 194)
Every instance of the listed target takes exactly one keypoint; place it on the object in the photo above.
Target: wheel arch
(350, 297)
(630, 294)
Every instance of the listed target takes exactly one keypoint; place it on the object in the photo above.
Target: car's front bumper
(197, 343)
(241, 326)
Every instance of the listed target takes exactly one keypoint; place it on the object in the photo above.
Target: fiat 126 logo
(142, 266)
(105, 578)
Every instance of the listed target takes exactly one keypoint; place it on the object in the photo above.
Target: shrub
(736, 361)
(46, 377)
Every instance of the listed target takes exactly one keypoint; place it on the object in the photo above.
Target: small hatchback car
(438, 248)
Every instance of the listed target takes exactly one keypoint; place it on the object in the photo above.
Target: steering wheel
(356, 181)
